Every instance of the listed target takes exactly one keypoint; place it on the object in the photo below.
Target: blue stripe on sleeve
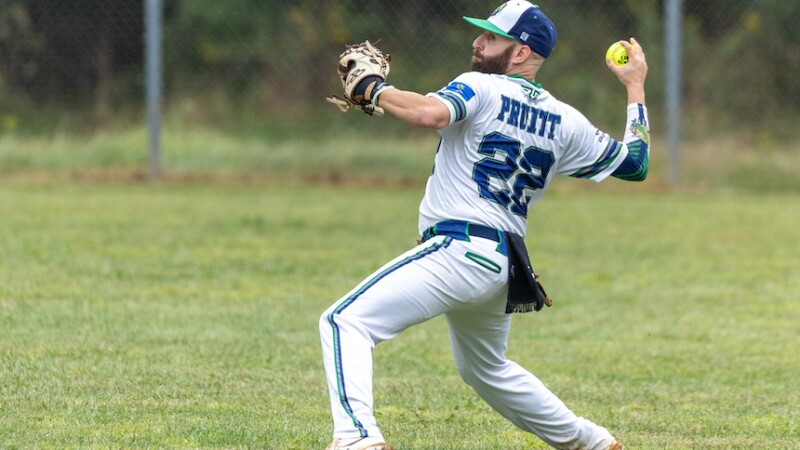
(642, 119)
(612, 151)
(461, 89)
(457, 102)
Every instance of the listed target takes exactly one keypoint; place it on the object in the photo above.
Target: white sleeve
(638, 126)
(590, 152)
(461, 96)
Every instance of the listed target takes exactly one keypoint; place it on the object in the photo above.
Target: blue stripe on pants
(337, 347)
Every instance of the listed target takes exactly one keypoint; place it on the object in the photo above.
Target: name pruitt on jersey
(528, 118)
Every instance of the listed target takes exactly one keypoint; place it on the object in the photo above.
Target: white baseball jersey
(506, 139)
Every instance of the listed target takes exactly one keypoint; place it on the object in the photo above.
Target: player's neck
(527, 70)
(527, 74)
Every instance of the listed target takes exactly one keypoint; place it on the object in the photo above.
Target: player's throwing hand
(633, 74)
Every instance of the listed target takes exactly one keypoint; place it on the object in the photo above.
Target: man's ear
(521, 54)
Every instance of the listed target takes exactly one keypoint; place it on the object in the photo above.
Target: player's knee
(325, 322)
(331, 319)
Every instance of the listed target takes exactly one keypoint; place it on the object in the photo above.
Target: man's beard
(495, 64)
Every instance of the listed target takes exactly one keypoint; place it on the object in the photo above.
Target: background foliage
(255, 60)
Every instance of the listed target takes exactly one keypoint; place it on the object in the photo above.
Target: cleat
(365, 443)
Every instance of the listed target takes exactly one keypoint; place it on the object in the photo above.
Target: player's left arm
(414, 108)
(363, 69)
(637, 132)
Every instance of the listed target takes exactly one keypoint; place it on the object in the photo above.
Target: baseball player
(503, 138)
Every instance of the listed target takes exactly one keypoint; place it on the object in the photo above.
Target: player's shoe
(616, 446)
(365, 443)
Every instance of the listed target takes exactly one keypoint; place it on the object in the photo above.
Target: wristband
(381, 89)
(366, 87)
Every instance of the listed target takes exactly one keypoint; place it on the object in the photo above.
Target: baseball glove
(363, 69)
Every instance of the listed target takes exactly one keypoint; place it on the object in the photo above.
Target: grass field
(353, 151)
(184, 315)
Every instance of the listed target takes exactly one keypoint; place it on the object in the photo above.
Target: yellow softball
(617, 53)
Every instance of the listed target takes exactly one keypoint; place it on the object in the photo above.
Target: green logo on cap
(499, 8)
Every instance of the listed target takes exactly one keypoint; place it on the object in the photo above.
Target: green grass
(353, 149)
(185, 316)
(298, 151)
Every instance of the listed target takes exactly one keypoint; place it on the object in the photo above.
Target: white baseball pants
(467, 282)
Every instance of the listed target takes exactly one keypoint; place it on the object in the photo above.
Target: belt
(461, 230)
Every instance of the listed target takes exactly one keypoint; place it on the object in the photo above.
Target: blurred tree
(20, 42)
(267, 56)
(52, 49)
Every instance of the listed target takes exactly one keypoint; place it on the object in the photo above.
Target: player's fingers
(628, 48)
(635, 56)
(637, 46)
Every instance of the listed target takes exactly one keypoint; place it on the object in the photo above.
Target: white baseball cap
(522, 21)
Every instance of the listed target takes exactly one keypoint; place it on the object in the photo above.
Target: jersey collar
(529, 81)
(532, 90)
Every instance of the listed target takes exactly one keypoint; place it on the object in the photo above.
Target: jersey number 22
(508, 166)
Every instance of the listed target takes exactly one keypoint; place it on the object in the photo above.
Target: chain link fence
(260, 61)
